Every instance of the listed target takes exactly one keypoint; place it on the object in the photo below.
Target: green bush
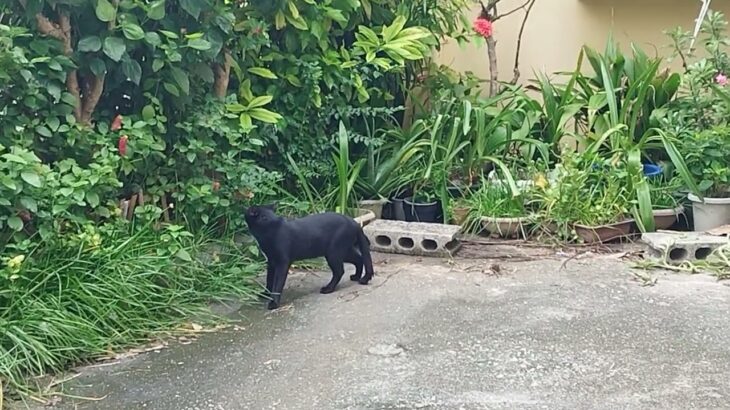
(68, 299)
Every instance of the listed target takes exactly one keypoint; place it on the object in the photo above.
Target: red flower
(483, 27)
(117, 123)
(122, 145)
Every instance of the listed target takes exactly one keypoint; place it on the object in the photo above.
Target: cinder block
(413, 238)
(678, 247)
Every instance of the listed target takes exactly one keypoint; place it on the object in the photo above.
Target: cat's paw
(272, 305)
(327, 289)
(355, 277)
(364, 281)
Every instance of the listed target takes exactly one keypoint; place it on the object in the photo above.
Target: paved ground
(428, 334)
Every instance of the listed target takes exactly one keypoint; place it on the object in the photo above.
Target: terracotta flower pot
(604, 233)
(506, 227)
(460, 214)
(664, 218)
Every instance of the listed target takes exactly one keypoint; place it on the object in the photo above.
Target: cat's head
(261, 215)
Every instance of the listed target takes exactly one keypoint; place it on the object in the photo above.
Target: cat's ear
(271, 206)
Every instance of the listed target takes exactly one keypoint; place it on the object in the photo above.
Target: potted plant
(383, 173)
(424, 206)
(708, 159)
(585, 202)
(493, 208)
(666, 208)
(459, 210)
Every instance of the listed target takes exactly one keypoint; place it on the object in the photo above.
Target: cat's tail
(364, 245)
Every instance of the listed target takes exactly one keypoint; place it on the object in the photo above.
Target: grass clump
(98, 289)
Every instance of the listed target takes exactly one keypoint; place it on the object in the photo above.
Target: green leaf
(53, 123)
(132, 70)
(105, 11)
(205, 218)
(97, 67)
(15, 158)
(182, 254)
(31, 178)
(262, 72)
(337, 16)
(169, 34)
(28, 203)
(181, 78)
(89, 44)
(171, 89)
(132, 31)
(246, 122)
(203, 71)
(279, 20)
(152, 39)
(43, 131)
(235, 108)
(199, 44)
(9, 183)
(92, 198)
(298, 23)
(5, 202)
(15, 223)
(260, 101)
(156, 11)
(66, 191)
(114, 48)
(193, 7)
(389, 32)
(157, 64)
(148, 112)
(264, 115)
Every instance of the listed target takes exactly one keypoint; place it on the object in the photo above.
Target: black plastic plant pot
(397, 211)
(430, 212)
(395, 205)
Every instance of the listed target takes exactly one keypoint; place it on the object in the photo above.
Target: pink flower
(122, 145)
(483, 27)
(721, 79)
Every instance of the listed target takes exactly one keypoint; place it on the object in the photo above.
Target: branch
(516, 9)
(516, 69)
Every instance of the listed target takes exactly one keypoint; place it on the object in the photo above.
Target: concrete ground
(462, 334)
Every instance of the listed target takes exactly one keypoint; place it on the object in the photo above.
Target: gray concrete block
(413, 238)
(678, 247)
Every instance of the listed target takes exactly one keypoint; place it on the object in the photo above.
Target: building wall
(557, 29)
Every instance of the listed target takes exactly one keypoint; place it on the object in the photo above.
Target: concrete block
(678, 247)
(413, 238)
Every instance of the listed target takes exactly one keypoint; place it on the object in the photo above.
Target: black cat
(335, 236)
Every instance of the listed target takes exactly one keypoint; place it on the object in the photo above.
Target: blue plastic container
(652, 170)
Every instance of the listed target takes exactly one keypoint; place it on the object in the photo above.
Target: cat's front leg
(280, 272)
(266, 294)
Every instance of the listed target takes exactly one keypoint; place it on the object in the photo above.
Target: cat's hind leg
(354, 257)
(336, 262)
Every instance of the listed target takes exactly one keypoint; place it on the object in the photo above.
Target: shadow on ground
(462, 334)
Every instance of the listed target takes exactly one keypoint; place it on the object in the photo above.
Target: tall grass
(81, 296)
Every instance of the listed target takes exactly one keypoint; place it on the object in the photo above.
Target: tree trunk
(222, 76)
(493, 69)
(86, 90)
